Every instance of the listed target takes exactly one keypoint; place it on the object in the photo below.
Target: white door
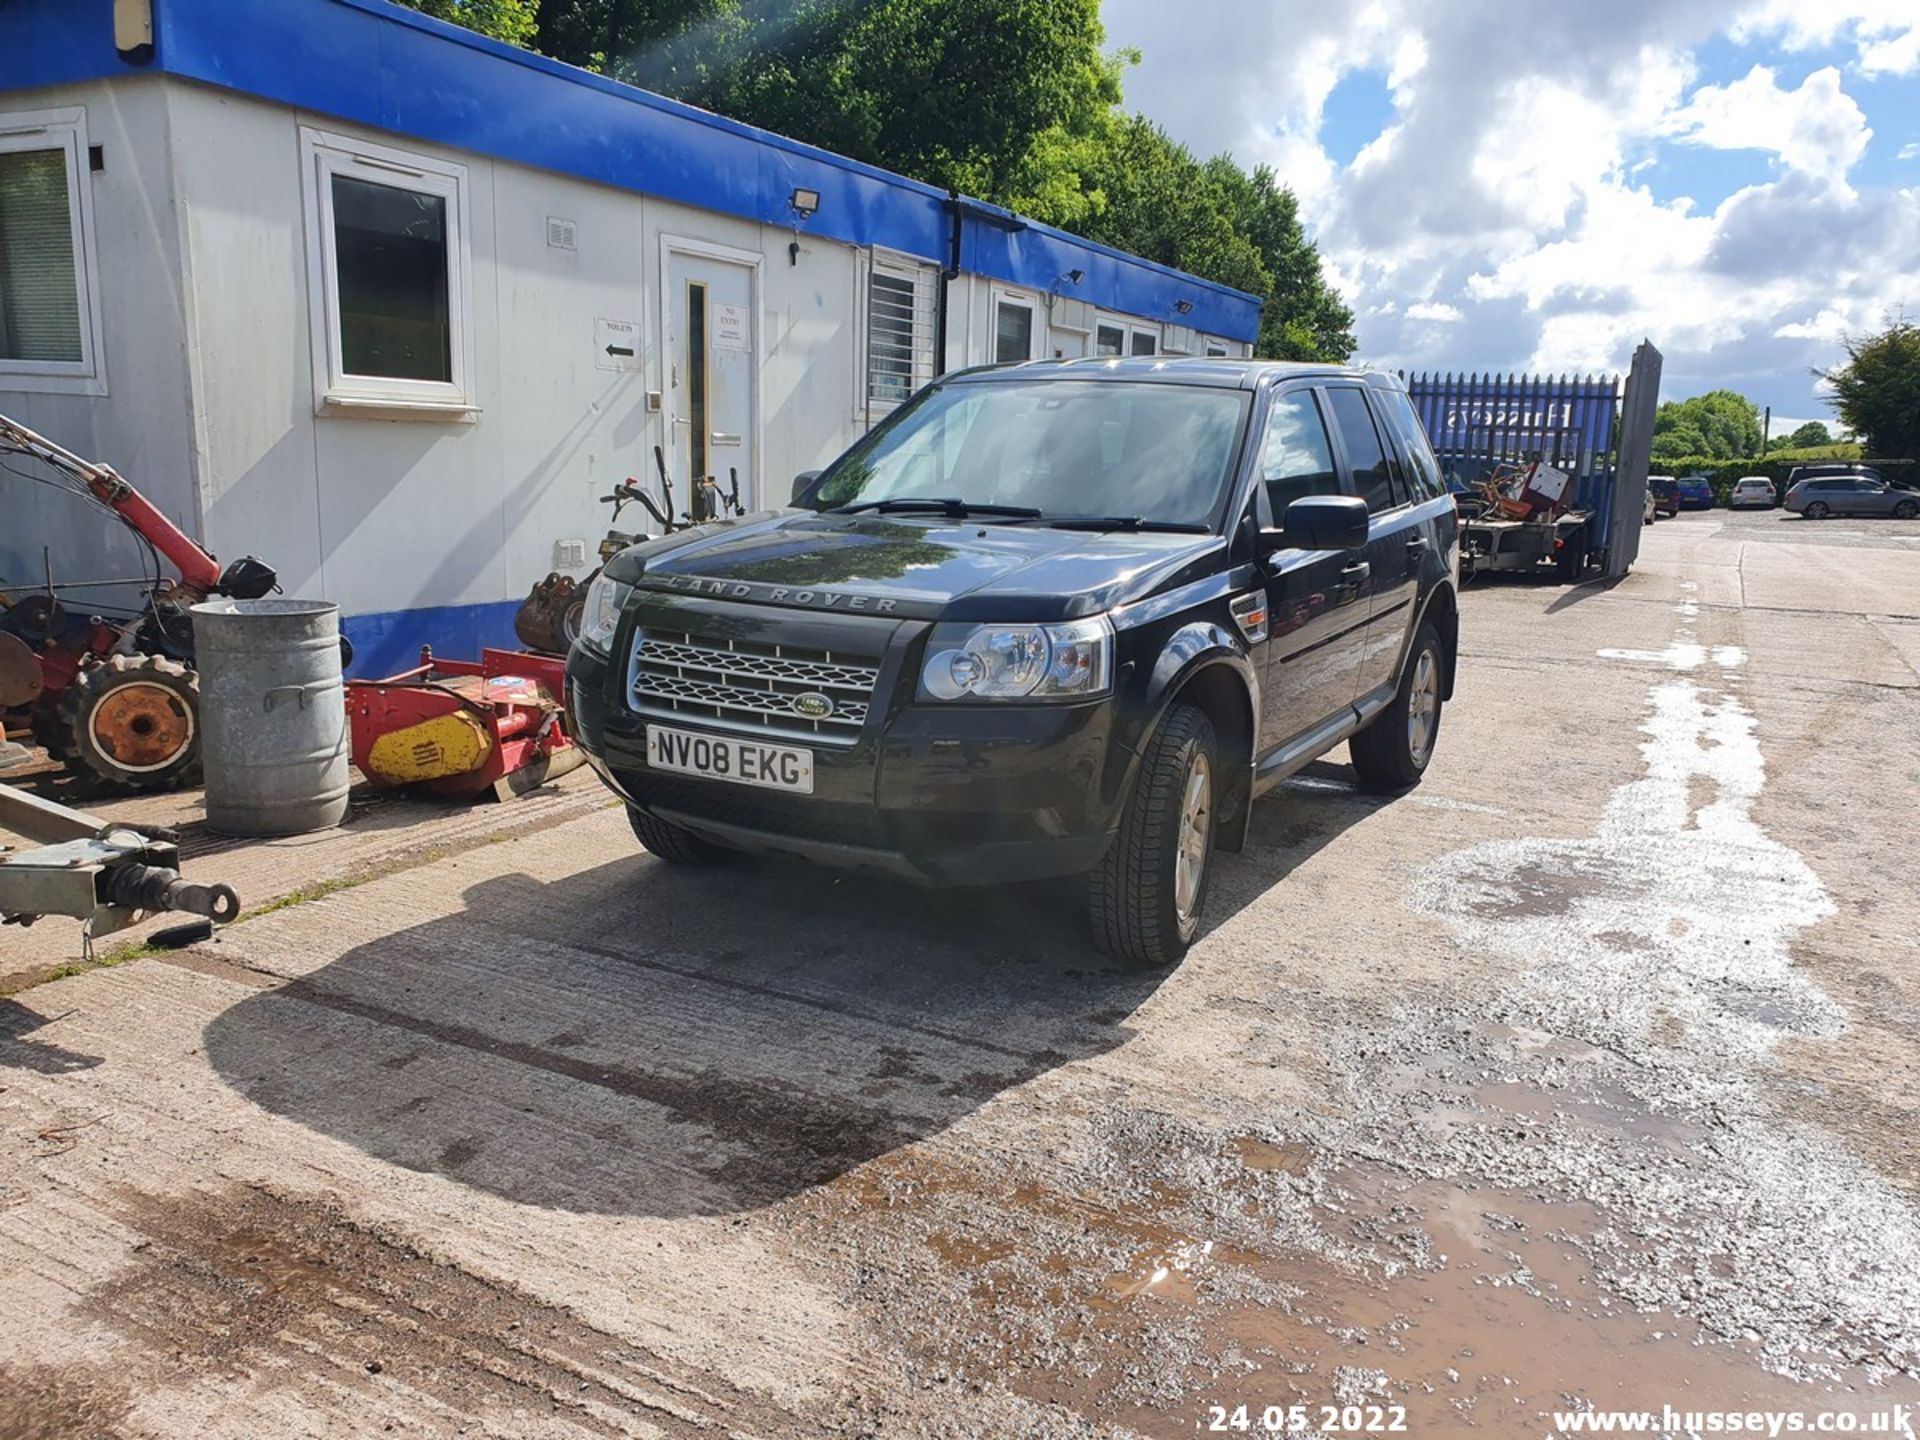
(712, 368)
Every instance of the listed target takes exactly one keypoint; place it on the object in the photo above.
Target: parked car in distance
(1826, 495)
(1752, 490)
(1695, 492)
(1830, 467)
(1651, 509)
(1045, 620)
(1666, 493)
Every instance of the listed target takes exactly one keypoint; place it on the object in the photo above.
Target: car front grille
(751, 688)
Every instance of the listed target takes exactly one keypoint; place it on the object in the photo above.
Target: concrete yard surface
(1583, 1076)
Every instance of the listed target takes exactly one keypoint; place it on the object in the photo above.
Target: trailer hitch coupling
(155, 887)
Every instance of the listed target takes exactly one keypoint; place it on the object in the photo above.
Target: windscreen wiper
(1126, 522)
(940, 505)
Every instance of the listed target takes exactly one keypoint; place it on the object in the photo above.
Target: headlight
(600, 615)
(1014, 662)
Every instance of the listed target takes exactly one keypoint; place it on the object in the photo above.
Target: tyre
(50, 731)
(1391, 754)
(671, 843)
(1145, 898)
(570, 620)
(1817, 510)
(1572, 559)
(132, 722)
(1906, 510)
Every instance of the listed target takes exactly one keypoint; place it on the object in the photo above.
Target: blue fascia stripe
(389, 642)
(391, 68)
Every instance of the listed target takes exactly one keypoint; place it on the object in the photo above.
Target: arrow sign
(617, 343)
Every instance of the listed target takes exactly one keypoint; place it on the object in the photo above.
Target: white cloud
(1511, 211)
(1911, 150)
(1830, 324)
(1816, 128)
(1885, 34)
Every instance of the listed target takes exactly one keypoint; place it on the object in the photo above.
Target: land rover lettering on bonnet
(1057, 619)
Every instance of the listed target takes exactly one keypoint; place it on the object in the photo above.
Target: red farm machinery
(113, 695)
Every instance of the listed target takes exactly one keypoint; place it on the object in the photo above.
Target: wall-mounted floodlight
(1074, 277)
(804, 202)
(1185, 307)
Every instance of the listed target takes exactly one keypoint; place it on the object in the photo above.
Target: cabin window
(388, 238)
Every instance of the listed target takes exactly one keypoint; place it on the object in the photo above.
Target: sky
(1541, 184)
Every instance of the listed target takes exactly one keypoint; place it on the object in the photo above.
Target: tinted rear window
(1371, 476)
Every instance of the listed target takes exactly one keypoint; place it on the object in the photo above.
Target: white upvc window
(50, 330)
(1116, 335)
(389, 279)
(901, 301)
(1015, 326)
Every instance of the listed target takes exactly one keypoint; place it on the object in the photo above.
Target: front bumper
(938, 794)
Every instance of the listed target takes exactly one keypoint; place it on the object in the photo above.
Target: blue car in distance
(1696, 492)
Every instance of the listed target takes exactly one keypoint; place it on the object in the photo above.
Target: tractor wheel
(133, 723)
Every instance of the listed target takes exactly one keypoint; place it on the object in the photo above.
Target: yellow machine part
(450, 744)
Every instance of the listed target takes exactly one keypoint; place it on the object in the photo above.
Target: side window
(49, 324)
(388, 234)
(1422, 469)
(1012, 331)
(1110, 340)
(900, 328)
(1395, 445)
(1371, 475)
(1296, 459)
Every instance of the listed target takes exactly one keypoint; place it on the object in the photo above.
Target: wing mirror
(802, 483)
(1319, 522)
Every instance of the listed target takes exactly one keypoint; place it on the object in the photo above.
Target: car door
(1873, 497)
(1395, 540)
(1316, 606)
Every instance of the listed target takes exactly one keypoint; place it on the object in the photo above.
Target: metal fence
(1478, 421)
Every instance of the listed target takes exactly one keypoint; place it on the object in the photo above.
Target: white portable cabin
(391, 305)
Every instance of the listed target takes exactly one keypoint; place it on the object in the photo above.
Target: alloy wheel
(1196, 836)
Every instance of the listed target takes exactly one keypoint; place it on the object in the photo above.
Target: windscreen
(1066, 448)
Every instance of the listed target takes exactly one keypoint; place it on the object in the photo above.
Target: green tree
(1214, 219)
(964, 94)
(513, 21)
(1304, 317)
(1720, 425)
(1877, 391)
(1805, 438)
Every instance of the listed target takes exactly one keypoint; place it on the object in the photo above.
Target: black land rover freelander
(1050, 619)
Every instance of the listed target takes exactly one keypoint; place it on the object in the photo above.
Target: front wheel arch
(1200, 665)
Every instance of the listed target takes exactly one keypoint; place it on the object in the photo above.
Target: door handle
(1355, 573)
(1417, 545)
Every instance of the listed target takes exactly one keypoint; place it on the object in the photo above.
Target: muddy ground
(1583, 1076)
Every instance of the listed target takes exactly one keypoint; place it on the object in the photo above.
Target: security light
(805, 202)
(1185, 307)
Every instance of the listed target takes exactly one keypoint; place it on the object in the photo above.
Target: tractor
(115, 696)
